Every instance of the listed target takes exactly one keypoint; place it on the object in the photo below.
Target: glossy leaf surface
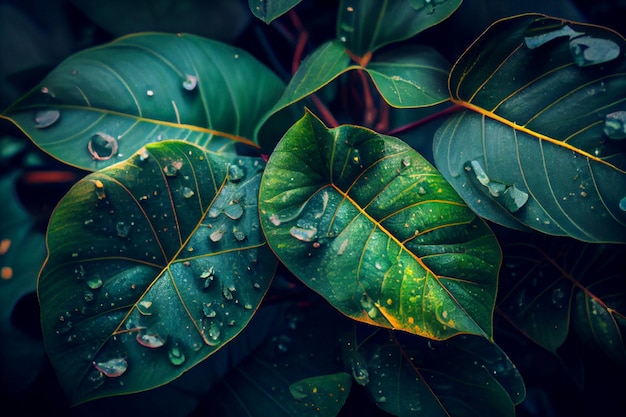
(538, 144)
(366, 25)
(460, 377)
(101, 105)
(550, 288)
(153, 265)
(369, 224)
(268, 10)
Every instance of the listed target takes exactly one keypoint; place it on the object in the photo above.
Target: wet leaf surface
(539, 119)
(369, 224)
(137, 287)
(270, 10)
(100, 106)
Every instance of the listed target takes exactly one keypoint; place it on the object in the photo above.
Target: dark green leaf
(410, 77)
(366, 25)
(268, 10)
(550, 287)
(539, 126)
(368, 223)
(462, 376)
(102, 104)
(149, 272)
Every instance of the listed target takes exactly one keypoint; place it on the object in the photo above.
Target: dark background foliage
(35, 35)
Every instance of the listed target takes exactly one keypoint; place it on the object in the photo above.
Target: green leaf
(366, 25)
(369, 224)
(546, 292)
(542, 129)
(150, 269)
(462, 376)
(325, 394)
(410, 77)
(268, 10)
(101, 105)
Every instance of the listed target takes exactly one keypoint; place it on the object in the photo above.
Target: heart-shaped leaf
(369, 224)
(366, 25)
(101, 105)
(539, 145)
(152, 267)
(268, 10)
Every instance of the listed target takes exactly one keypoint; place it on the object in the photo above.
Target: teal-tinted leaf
(143, 278)
(280, 377)
(268, 10)
(538, 122)
(551, 287)
(462, 376)
(101, 105)
(410, 77)
(366, 25)
(368, 223)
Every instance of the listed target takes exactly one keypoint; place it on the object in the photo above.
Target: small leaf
(268, 10)
(99, 106)
(124, 288)
(325, 394)
(366, 25)
(368, 223)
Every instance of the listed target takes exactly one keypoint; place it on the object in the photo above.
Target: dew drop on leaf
(112, 368)
(102, 146)
(615, 125)
(151, 340)
(622, 204)
(208, 311)
(46, 118)
(94, 283)
(591, 51)
(219, 231)
(360, 373)
(190, 82)
(214, 333)
(303, 234)
(176, 355)
(238, 233)
(171, 169)
(235, 173)
(514, 198)
(188, 192)
(233, 211)
(536, 41)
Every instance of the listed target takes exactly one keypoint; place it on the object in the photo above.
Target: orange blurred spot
(6, 272)
(5, 244)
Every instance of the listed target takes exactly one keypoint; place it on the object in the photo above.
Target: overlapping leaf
(366, 25)
(550, 288)
(101, 105)
(154, 264)
(461, 377)
(268, 10)
(540, 144)
(369, 224)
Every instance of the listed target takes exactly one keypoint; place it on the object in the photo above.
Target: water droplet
(150, 93)
(176, 355)
(622, 204)
(514, 198)
(590, 51)
(46, 118)
(122, 229)
(615, 125)
(536, 41)
(112, 368)
(235, 173)
(151, 340)
(190, 82)
(144, 308)
(227, 293)
(208, 311)
(360, 373)
(143, 154)
(171, 169)
(188, 192)
(303, 234)
(102, 146)
(238, 233)
(219, 231)
(94, 283)
(233, 210)
(214, 334)
(368, 305)
(481, 175)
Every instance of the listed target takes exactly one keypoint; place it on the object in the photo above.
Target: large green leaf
(550, 287)
(540, 144)
(102, 104)
(268, 10)
(366, 25)
(461, 377)
(153, 266)
(369, 224)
